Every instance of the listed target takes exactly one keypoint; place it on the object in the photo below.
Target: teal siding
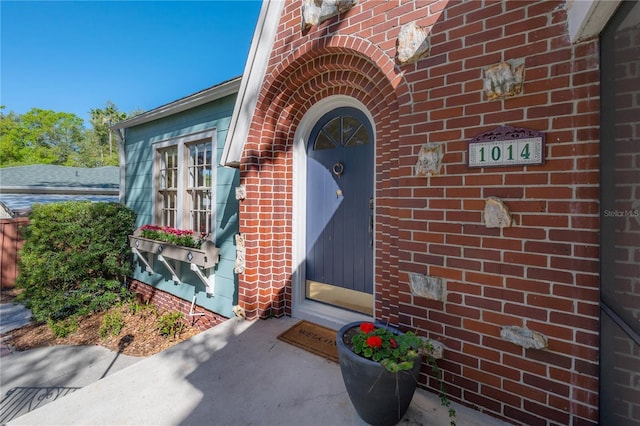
(139, 152)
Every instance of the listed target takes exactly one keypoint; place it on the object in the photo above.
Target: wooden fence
(10, 244)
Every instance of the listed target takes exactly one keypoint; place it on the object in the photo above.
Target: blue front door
(339, 235)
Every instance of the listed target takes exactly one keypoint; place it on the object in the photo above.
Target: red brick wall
(541, 274)
(169, 302)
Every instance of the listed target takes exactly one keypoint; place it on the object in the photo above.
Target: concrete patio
(235, 373)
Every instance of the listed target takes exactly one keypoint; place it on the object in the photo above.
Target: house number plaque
(507, 146)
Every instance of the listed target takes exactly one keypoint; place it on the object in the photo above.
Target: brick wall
(169, 302)
(541, 274)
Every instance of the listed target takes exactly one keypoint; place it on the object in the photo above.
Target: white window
(168, 186)
(199, 190)
(184, 184)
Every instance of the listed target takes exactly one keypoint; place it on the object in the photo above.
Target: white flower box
(205, 257)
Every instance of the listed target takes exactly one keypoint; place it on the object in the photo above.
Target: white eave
(252, 78)
(219, 91)
(587, 18)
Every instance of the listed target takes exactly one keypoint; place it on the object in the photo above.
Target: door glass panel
(620, 174)
(333, 129)
(349, 126)
(360, 137)
(323, 142)
(620, 218)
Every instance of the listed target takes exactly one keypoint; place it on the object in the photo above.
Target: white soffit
(587, 18)
(254, 72)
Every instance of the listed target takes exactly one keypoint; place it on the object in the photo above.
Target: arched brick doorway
(288, 94)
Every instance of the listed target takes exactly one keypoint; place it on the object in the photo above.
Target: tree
(102, 120)
(48, 137)
(10, 134)
(40, 137)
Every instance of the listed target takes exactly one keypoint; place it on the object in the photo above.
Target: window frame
(184, 189)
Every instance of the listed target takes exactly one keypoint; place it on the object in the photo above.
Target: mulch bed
(138, 337)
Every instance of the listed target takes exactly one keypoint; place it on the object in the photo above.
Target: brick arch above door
(285, 97)
(296, 85)
(349, 47)
(318, 67)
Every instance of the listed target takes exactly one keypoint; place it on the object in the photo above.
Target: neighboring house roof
(254, 71)
(50, 179)
(213, 93)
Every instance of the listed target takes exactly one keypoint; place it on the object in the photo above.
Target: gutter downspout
(123, 165)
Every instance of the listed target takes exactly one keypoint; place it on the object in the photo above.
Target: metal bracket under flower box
(200, 259)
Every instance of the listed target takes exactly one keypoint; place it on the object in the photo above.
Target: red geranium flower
(374, 342)
(367, 327)
(393, 343)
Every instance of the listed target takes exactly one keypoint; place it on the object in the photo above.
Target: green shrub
(170, 324)
(137, 308)
(75, 258)
(65, 327)
(112, 324)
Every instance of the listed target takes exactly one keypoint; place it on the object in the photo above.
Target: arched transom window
(342, 127)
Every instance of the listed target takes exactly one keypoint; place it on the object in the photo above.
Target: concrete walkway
(237, 373)
(12, 316)
(31, 379)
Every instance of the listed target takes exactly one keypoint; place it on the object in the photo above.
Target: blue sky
(74, 56)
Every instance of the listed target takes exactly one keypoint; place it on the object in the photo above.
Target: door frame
(303, 308)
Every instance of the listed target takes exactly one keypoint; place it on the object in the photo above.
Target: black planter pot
(380, 398)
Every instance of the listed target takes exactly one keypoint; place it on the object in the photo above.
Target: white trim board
(587, 18)
(252, 78)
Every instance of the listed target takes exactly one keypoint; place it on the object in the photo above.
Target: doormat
(312, 338)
